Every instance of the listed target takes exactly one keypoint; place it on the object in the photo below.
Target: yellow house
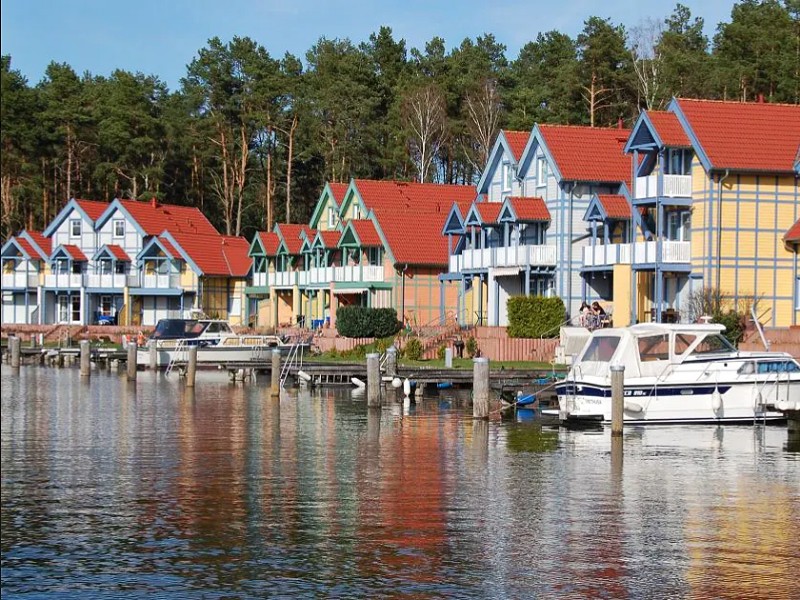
(714, 193)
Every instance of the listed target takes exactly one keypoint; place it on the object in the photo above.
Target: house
(131, 261)
(715, 193)
(531, 240)
(370, 243)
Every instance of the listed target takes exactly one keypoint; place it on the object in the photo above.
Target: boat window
(682, 342)
(712, 344)
(175, 328)
(225, 328)
(654, 347)
(197, 328)
(212, 328)
(747, 368)
(601, 349)
(778, 366)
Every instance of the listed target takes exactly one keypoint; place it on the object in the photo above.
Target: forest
(251, 138)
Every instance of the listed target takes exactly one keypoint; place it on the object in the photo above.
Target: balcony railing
(72, 281)
(506, 256)
(282, 279)
(107, 280)
(160, 281)
(358, 273)
(20, 280)
(675, 186)
(259, 279)
(325, 275)
(637, 254)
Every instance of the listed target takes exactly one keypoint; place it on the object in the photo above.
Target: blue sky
(161, 37)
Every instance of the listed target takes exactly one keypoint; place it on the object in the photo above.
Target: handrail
(759, 328)
(559, 326)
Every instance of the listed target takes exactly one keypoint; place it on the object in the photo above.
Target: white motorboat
(216, 343)
(675, 373)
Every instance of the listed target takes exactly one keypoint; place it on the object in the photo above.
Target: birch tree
(424, 118)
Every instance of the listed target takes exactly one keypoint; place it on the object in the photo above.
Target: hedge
(360, 321)
(534, 316)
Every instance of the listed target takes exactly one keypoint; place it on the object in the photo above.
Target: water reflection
(114, 488)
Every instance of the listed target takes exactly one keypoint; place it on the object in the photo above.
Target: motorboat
(216, 343)
(677, 373)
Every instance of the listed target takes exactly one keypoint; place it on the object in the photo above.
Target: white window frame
(72, 226)
(331, 217)
(505, 174)
(63, 308)
(119, 228)
(541, 171)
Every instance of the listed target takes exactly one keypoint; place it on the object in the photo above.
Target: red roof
(290, 232)
(488, 211)
(366, 232)
(793, 235)
(589, 153)
(27, 247)
(411, 216)
(74, 252)
(92, 208)
(170, 248)
(669, 129)
(219, 255)
(517, 140)
(154, 218)
(118, 252)
(745, 136)
(338, 190)
(270, 242)
(43, 242)
(330, 239)
(615, 205)
(529, 208)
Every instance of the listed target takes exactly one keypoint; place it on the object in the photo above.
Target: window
(678, 225)
(331, 217)
(601, 349)
(778, 366)
(541, 171)
(77, 268)
(119, 228)
(104, 267)
(61, 266)
(506, 174)
(75, 227)
(120, 268)
(106, 306)
(75, 301)
(356, 211)
(679, 162)
(712, 344)
(682, 342)
(63, 309)
(654, 347)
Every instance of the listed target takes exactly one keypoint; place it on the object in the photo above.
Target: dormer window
(331, 217)
(75, 227)
(119, 228)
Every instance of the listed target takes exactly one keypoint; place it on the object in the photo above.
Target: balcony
(358, 273)
(64, 281)
(259, 280)
(108, 280)
(316, 276)
(160, 281)
(282, 279)
(675, 186)
(640, 253)
(19, 281)
(505, 256)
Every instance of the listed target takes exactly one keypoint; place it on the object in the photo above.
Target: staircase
(431, 344)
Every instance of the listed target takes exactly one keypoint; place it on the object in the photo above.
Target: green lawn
(458, 363)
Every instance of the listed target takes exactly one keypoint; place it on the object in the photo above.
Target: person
(584, 314)
(140, 340)
(599, 314)
(459, 344)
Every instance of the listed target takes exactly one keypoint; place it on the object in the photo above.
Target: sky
(161, 37)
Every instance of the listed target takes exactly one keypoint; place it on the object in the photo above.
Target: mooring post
(448, 358)
(480, 388)
(15, 346)
(132, 361)
(86, 365)
(153, 356)
(275, 388)
(373, 379)
(191, 368)
(391, 361)
(617, 398)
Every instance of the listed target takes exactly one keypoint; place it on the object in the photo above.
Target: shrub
(440, 352)
(534, 316)
(413, 349)
(471, 347)
(734, 325)
(360, 321)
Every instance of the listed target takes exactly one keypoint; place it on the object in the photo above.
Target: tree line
(250, 138)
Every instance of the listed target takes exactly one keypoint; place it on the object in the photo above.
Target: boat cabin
(173, 329)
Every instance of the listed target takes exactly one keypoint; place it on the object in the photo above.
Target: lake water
(110, 490)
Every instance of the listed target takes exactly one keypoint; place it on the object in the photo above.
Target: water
(108, 492)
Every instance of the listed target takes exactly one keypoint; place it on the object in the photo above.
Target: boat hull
(218, 355)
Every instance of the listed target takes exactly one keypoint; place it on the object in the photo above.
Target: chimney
(760, 99)
(154, 202)
(620, 124)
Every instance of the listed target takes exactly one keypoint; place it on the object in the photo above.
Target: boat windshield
(600, 349)
(177, 328)
(713, 344)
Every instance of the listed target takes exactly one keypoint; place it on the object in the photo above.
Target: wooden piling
(275, 388)
(617, 398)
(153, 356)
(480, 388)
(131, 361)
(86, 365)
(373, 379)
(391, 361)
(15, 347)
(191, 368)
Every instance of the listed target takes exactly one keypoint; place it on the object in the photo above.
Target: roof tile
(793, 235)
(669, 129)
(615, 205)
(529, 208)
(517, 140)
(589, 153)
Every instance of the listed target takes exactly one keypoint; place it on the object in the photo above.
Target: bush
(471, 347)
(734, 325)
(440, 352)
(534, 316)
(413, 349)
(360, 321)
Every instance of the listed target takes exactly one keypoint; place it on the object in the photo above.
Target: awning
(357, 290)
(504, 271)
